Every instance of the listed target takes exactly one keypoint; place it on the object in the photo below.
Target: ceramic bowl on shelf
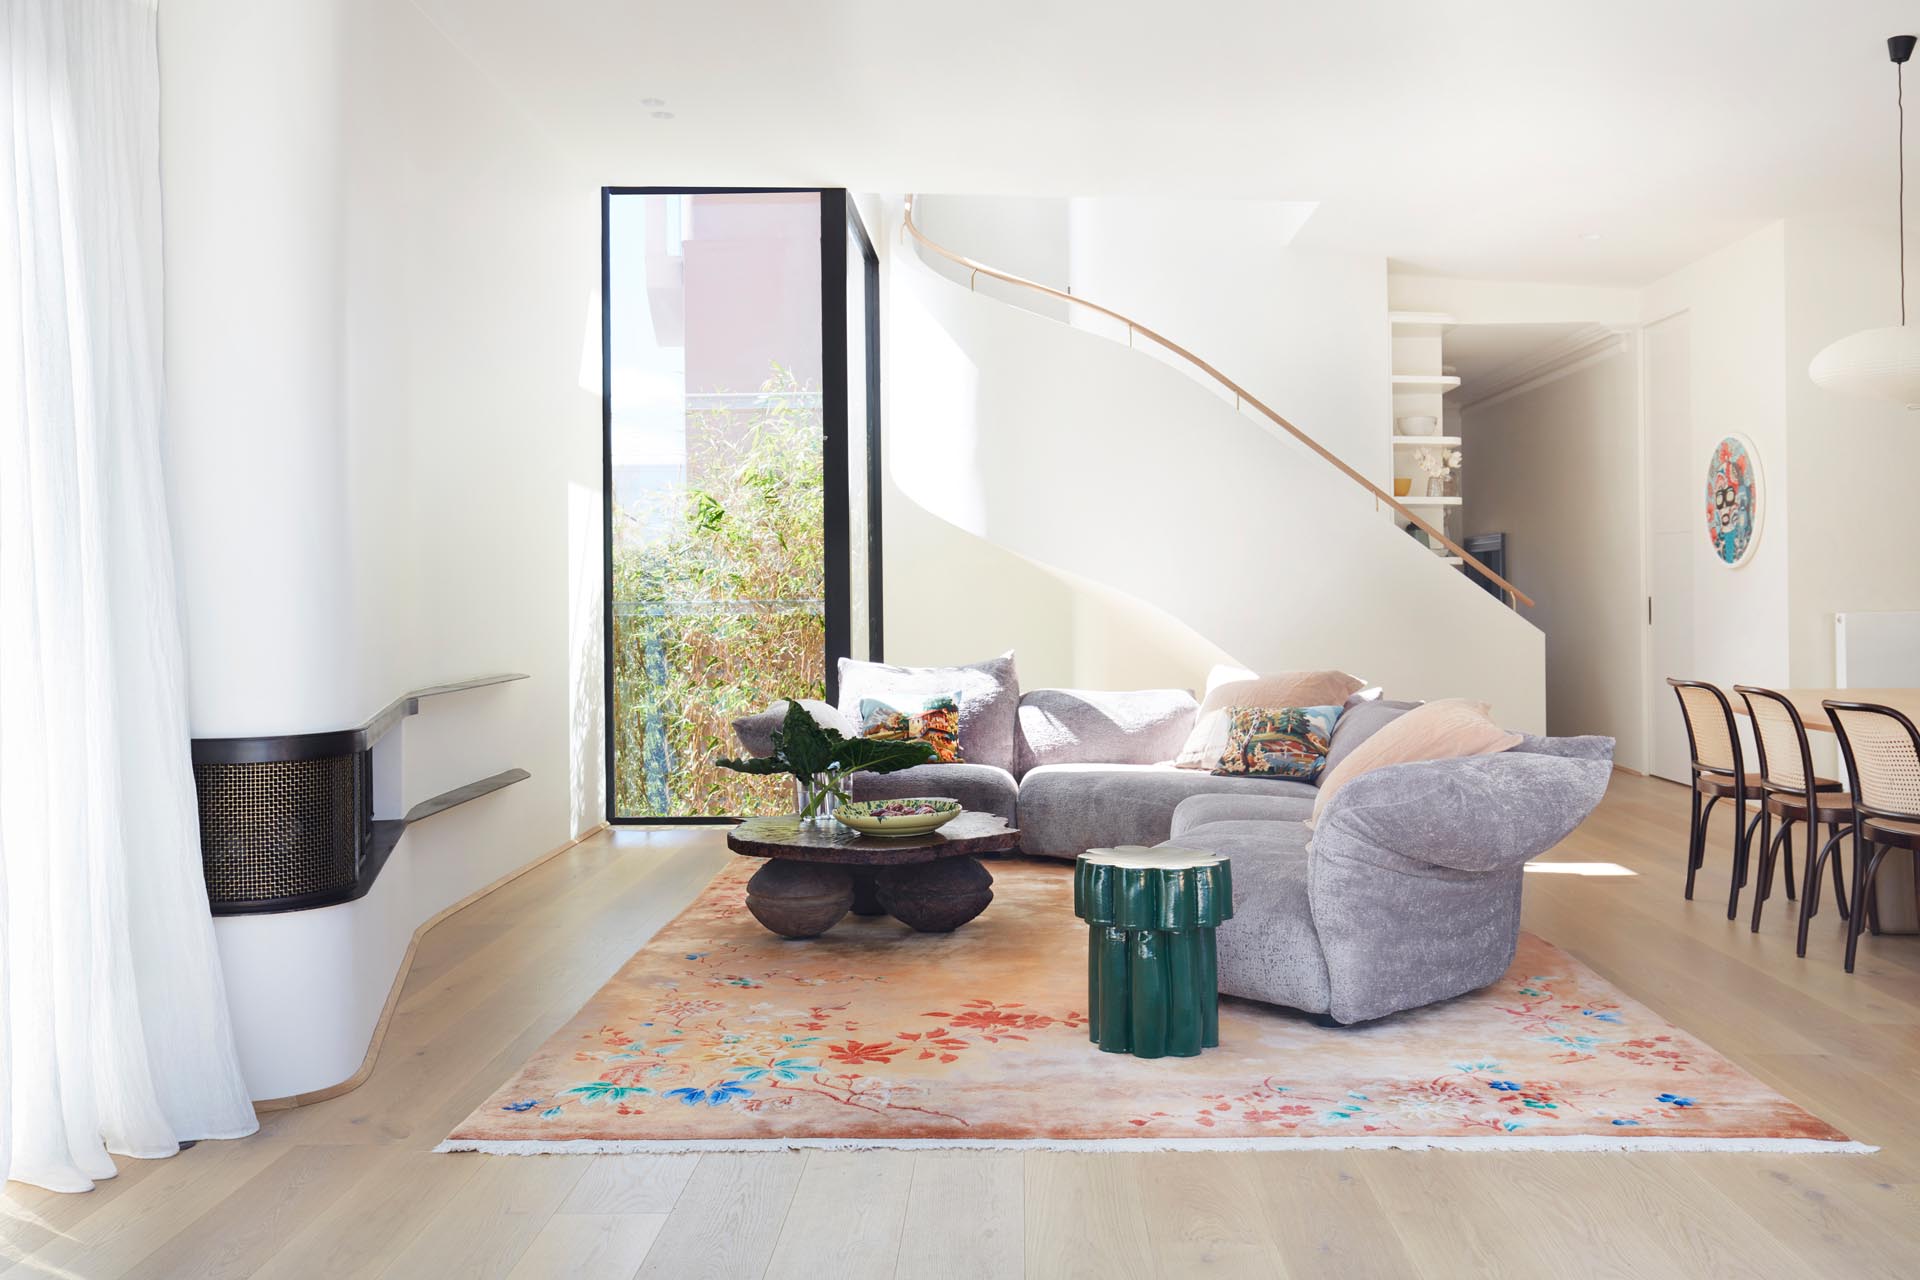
(912, 816)
(1402, 486)
(1418, 425)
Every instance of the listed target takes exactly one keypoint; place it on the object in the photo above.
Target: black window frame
(840, 222)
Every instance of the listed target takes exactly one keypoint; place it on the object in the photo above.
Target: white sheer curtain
(113, 1019)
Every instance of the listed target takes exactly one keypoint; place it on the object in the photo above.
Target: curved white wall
(1071, 451)
(383, 460)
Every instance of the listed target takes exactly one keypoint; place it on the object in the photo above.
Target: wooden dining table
(1895, 889)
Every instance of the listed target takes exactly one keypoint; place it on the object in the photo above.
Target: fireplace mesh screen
(280, 829)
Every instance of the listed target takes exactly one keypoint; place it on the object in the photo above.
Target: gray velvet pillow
(1472, 813)
(1097, 726)
(1358, 722)
(989, 698)
(756, 731)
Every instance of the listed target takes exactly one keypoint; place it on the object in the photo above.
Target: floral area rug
(719, 1035)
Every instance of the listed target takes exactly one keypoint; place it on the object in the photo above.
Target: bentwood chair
(1791, 792)
(1882, 751)
(1718, 773)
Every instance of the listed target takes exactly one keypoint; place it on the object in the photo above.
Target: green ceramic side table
(1152, 982)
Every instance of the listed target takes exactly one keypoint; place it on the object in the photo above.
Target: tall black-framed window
(740, 409)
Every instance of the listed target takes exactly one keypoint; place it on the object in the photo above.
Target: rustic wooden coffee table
(815, 874)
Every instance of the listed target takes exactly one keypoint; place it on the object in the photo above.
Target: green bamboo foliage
(718, 589)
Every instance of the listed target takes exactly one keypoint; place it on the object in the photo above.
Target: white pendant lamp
(1881, 363)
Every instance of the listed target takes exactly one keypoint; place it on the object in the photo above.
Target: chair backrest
(1710, 732)
(1786, 758)
(1882, 750)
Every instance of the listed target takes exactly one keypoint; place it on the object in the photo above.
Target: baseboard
(358, 1078)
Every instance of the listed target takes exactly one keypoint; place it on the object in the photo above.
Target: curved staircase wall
(1134, 488)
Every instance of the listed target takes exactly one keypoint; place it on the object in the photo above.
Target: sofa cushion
(1268, 742)
(1358, 722)
(933, 720)
(1066, 809)
(1269, 951)
(1086, 726)
(989, 694)
(981, 787)
(755, 732)
(1287, 689)
(1443, 730)
(1199, 811)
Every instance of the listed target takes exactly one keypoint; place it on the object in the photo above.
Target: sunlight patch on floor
(1580, 869)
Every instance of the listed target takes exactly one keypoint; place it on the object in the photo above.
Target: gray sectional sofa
(1074, 769)
(1408, 889)
(1406, 892)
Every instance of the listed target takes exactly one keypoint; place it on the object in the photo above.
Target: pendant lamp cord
(1900, 105)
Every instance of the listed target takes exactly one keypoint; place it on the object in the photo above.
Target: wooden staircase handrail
(1240, 394)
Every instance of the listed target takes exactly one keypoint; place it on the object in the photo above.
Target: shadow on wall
(1067, 631)
(1060, 448)
(586, 665)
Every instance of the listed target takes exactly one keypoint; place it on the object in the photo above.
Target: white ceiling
(1483, 139)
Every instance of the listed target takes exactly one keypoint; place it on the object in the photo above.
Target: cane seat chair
(1793, 793)
(1882, 751)
(1718, 773)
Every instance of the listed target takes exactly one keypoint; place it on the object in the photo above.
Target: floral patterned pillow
(935, 721)
(1277, 742)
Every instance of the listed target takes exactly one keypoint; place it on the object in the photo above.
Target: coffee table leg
(866, 893)
(935, 897)
(799, 899)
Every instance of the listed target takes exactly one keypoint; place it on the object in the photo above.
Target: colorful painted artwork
(935, 721)
(1733, 500)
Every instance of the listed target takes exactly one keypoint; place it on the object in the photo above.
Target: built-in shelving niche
(292, 822)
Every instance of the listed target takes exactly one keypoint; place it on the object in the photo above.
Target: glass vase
(815, 800)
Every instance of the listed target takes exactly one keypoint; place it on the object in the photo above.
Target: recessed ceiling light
(653, 102)
(663, 115)
(1591, 236)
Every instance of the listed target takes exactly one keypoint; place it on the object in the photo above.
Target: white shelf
(1426, 442)
(1452, 560)
(1417, 321)
(1409, 383)
(1415, 500)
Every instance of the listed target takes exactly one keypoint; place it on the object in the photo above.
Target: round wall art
(1733, 500)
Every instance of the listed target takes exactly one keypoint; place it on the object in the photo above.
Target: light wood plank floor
(349, 1187)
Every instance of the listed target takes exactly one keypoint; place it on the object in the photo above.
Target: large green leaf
(876, 755)
(763, 765)
(806, 749)
(803, 743)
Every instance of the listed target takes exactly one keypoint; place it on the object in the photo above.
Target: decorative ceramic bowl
(914, 816)
(1418, 425)
(1402, 486)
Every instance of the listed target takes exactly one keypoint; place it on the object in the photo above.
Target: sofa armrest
(1476, 814)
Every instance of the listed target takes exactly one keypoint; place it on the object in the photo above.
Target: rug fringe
(1566, 1144)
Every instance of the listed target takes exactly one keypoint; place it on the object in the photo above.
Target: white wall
(383, 458)
(1303, 330)
(1067, 632)
(1023, 235)
(1067, 450)
(1855, 463)
(1736, 301)
(1306, 330)
(1556, 468)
